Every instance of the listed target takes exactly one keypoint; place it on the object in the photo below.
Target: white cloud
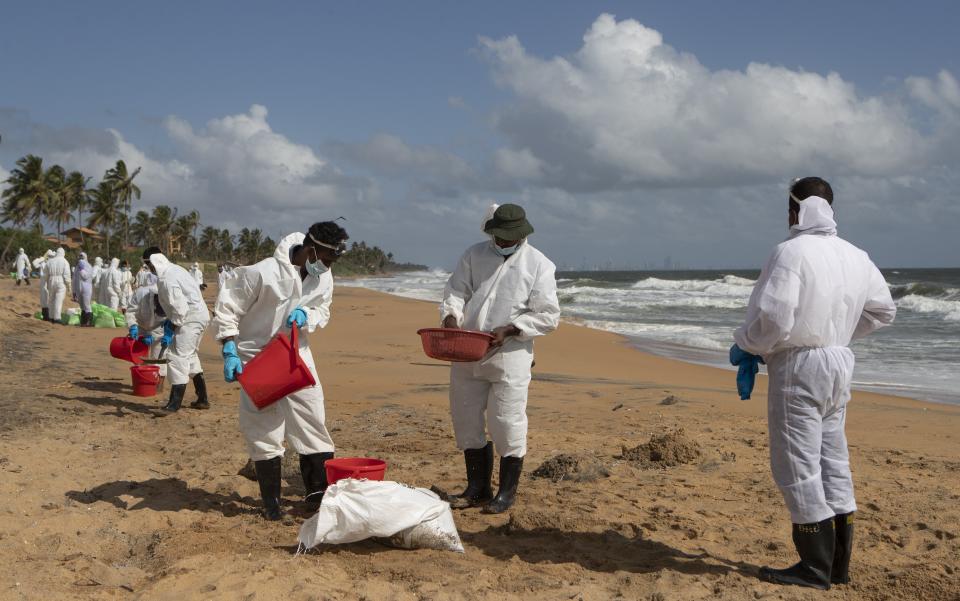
(627, 110)
(518, 164)
(389, 154)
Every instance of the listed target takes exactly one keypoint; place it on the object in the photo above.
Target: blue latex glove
(232, 367)
(168, 333)
(134, 331)
(147, 340)
(298, 316)
(748, 366)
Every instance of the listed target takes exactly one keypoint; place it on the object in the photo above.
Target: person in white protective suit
(126, 285)
(145, 277)
(222, 275)
(57, 278)
(815, 294)
(186, 318)
(83, 290)
(111, 285)
(197, 274)
(95, 281)
(40, 264)
(294, 288)
(506, 287)
(21, 265)
(145, 322)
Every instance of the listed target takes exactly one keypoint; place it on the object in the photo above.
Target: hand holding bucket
(277, 371)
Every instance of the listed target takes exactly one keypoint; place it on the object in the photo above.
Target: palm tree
(29, 192)
(162, 224)
(208, 242)
(59, 208)
(77, 195)
(141, 230)
(124, 189)
(225, 244)
(103, 210)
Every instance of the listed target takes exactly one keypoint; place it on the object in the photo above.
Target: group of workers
(815, 294)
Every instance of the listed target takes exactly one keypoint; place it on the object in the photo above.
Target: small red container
(450, 344)
(360, 468)
(145, 378)
(276, 371)
(128, 349)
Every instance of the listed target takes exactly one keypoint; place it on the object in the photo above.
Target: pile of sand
(664, 450)
(578, 468)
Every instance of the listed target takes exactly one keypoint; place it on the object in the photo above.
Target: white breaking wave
(948, 309)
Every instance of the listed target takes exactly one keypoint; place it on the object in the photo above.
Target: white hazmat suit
(22, 267)
(252, 307)
(95, 281)
(40, 264)
(197, 274)
(141, 312)
(487, 291)
(180, 299)
(816, 293)
(57, 278)
(111, 285)
(82, 286)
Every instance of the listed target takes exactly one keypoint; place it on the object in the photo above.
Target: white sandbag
(354, 510)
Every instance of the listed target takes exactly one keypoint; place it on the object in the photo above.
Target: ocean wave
(924, 289)
(948, 309)
(684, 335)
(728, 285)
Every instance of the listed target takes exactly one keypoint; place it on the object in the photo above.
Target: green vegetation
(35, 194)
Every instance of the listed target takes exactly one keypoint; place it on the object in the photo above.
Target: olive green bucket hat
(509, 223)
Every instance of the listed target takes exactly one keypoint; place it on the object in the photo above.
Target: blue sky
(410, 117)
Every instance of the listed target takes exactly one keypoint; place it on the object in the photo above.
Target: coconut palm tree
(77, 195)
(208, 242)
(59, 207)
(29, 191)
(103, 211)
(141, 230)
(162, 224)
(124, 189)
(225, 244)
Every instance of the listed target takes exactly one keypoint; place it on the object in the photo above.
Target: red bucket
(276, 371)
(355, 467)
(128, 349)
(146, 378)
(451, 344)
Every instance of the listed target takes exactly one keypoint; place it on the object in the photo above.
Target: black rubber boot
(89, 319)
(268, 477)
(45, 314)
(510, 468)
(843, 529)
(479, 464)
(815, 544)
(176, 399)
(200, 385)
(314, 474)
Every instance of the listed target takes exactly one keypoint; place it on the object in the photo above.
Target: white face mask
(506, 252)
(317, 268)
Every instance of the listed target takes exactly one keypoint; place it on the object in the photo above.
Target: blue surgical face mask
(506, 252)
(317, 268)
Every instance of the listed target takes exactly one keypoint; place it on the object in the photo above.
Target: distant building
(74, 237)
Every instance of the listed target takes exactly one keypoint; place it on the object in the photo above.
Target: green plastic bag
(38, 315)
(104, 321)
(120, 321)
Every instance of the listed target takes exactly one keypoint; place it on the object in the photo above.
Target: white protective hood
(816, 217)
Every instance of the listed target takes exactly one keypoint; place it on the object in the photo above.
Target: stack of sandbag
(399, 515)
(105, 317)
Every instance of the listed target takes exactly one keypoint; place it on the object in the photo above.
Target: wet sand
(100, 500)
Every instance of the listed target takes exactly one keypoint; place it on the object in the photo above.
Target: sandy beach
(100, 500)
